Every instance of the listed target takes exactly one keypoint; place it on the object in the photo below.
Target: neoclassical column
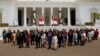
(25, 16)
(60, 12)
(60, 19)
(51, 17)
(43, 14)
(16, 19)
(15, 11)
(34, 16)
(69, 19)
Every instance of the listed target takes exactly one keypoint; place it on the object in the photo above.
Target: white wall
(82, 9)
(8, 11)
(83, 12)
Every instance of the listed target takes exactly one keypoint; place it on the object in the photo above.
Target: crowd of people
(56, 38)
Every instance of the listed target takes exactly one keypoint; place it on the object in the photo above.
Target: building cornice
(46, 4)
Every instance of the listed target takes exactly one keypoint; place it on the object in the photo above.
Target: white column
(34, 14)
(69, 16)
(43, 14)
(16, 12)
(42, 11)
(60, 13)
(25, 16)
(51, 17)
(16, 22)
(60, 19)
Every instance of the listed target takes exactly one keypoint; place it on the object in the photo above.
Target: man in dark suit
(49, 37)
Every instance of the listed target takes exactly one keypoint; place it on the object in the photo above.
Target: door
(20, 16)
(73, 17)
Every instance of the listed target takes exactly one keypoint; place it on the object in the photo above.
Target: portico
(61, 11)
(52, 12)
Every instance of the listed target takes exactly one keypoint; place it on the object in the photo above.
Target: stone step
(46, 28)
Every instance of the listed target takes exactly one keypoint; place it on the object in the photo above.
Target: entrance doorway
(47, 16)
(73, 17)
(64, 16)
(20, 16)
(29, 15)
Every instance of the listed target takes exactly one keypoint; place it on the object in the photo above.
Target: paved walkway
(90, 49)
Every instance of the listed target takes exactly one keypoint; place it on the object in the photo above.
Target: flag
(54, 20)
(41, 20)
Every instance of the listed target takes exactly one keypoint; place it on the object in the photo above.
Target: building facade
(67, 12)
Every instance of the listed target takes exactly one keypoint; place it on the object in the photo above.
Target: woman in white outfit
(84, 39)
(43, 39)
(89, 36)
(92, 34)
(55, 40)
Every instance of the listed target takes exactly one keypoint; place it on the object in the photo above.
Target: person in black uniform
(9, 33)
(49, 37)
(79, 36)
(19, 39)
(18, 36)
(22, 39)
(70, 37)
(59, 38)
(32, 37)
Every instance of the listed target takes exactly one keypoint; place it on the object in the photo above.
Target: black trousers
(49, 44)
(32, 41)
(79, 40)
(59, 42)
(21, 43)
(9, 39)
(5, 40)
(37, 43)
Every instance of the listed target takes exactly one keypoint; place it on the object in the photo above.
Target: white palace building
(46, 14)
(42, 12)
